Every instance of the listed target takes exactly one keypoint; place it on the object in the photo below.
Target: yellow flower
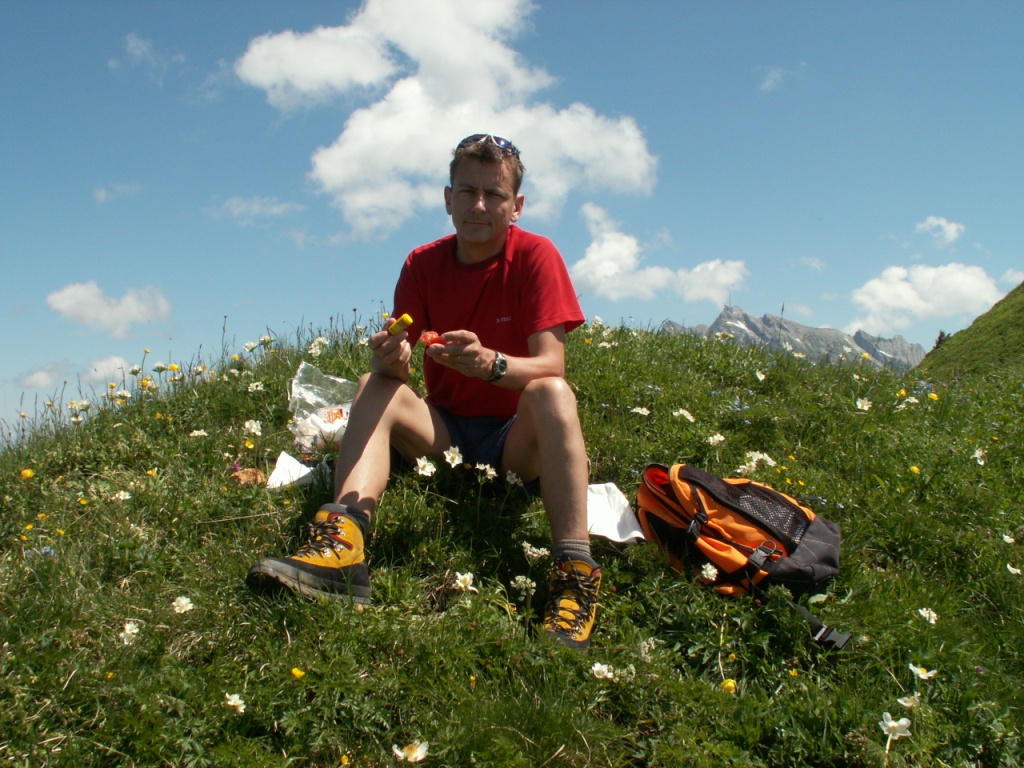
(344, 759)
(146, 351)
(151, 472)
(932, 396)
(27, 474)
(173, 367)
(43, 516)
(794, 673)
(236, 358)
(29, 527)
(731, 658)
(249, 444)
(901, 393)
(472, 682)
(110, 675)
(915, 470)
(297, 673)
(60, 531)
(729, 686)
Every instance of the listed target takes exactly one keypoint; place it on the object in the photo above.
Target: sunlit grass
(119, 514)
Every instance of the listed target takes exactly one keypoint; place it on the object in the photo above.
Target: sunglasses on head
(503, 144)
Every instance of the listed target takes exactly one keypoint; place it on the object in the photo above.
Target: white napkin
(609, 514)
(289, 471)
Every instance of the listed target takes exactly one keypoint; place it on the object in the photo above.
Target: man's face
(482, 205)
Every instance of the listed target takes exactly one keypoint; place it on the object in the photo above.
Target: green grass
(126, 511)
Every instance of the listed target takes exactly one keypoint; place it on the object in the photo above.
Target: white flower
(863, 404)
(602, 671)
(1008, 538)
(709, 572)
(159, 367)
(760, 376)
(525, 585)
(253, 427)
(534, 553)
(182, 605)
(425, 466)
(928, 615)
(910, 701)
(131, 631)
(234, 700)
(1011, 569)
(922, 673)
(256, 386)
(135, 370)
(453, 456)
(249, 346)
(979, 456)
(684, 414)
(266, 341)
(716, 439)
(121, 496)
(753, 459)
(894, 729)
(316, 348)
(488, 470)
(512, 478)
(411, 753)
(464, 582)
(197, 433)
(641, 410)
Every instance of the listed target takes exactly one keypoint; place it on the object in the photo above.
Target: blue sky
(178, 174)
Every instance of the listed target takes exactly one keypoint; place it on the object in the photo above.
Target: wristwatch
(500, 366)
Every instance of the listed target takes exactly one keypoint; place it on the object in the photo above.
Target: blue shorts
(480, 439)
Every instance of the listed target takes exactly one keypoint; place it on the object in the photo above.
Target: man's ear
(448, 200)
(517, 209)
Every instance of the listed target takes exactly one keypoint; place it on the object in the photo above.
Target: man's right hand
(391, 354)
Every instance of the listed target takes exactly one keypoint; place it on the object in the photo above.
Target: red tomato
(430, 338)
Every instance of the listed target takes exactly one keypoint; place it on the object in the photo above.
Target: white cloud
(140, 52)
(611, 268)
(772, 78)
(900, 296)
(114, 191)
(438, 71)
(1012, 277)
(47, 377)
(86, 304)
(944, 231)
(248, 210)
(106, 369)
(813, 263)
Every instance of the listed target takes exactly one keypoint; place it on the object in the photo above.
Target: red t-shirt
(504, 300)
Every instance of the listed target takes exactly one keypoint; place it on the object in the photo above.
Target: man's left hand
(464, 353)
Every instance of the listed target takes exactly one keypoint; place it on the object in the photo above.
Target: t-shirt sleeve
(548, 295)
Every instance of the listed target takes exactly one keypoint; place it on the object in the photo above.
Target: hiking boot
(330, 564)
(571, 610)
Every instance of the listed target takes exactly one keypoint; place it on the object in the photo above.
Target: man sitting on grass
(503, 300)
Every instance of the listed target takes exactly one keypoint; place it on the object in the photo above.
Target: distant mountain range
(826, 344)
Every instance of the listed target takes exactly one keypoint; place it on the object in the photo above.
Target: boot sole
(297, 580)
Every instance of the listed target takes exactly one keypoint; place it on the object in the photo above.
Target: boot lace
(324, 535)
(582, 589)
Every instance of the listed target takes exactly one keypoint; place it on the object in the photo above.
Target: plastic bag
(320, 408)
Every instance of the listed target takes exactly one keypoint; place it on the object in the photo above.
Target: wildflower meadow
(131, 514)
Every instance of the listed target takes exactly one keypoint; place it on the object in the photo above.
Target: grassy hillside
(114, 524)
(992, 344)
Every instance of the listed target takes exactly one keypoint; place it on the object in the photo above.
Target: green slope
(994, 343)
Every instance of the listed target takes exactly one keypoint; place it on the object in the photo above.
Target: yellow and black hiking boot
(330, 564)
(571, 610)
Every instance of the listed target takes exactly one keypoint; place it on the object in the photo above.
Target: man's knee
(550, 395)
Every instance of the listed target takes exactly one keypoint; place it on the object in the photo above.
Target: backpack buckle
(693, 529)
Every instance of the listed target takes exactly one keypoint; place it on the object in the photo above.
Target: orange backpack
(752, 534)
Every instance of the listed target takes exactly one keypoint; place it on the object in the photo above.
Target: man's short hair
(489, 149)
